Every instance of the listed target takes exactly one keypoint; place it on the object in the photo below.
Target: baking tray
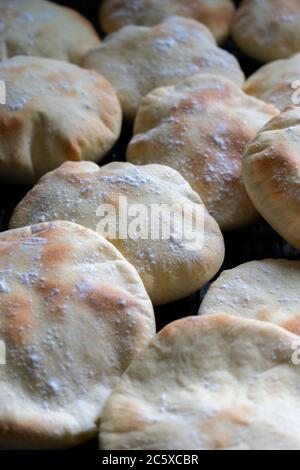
(256, 242)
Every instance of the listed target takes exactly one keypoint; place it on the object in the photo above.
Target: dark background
(253, 243)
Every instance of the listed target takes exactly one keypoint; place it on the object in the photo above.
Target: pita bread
(73, 313)
(265, 290)
(54, 112)
(44, 29)
(271, 174)
(217, 15)
(214, 382)
(169, 266)
(268, 29)
(137, 59)
(200, 128)
(277, 83)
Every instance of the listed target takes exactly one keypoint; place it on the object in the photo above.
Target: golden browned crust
(54, 112)
(200, 128)
(271, 173)
(208, 383)
(168, 268)
(44, 29)
(73, 313)
(276, 82)
(266, 290)
(137, 59)
(269, 29)
(216, 15)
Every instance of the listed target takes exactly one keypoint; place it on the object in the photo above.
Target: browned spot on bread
(106, 299)
(221, 423)
(275, 166)
(12, 123)
(283, 87)
(18, 320)
(72, 148)
(6, 247)
(264, 315)
(19, 69)
(204, 97)
(292, 325)
(131, 419)
(27, 431)
(55, 253)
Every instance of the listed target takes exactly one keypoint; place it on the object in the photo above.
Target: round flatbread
(171, 264)
(73, 313)
(210, 383)
(44, 29)
(271, 174)
(217, 15)
(54, 112)
(277, 83)
(268, 29)
(200, 128)
(265, 290)
(138, 59)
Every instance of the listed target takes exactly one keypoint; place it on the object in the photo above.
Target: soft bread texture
(265, 290)
(271, 174)
(200, 128)
(44, 29)
(168, 267)
(54, 112)
(217, 15)
(137, 59)
(215, 382)
(73, 313)
(268, 29)
(277, 82)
